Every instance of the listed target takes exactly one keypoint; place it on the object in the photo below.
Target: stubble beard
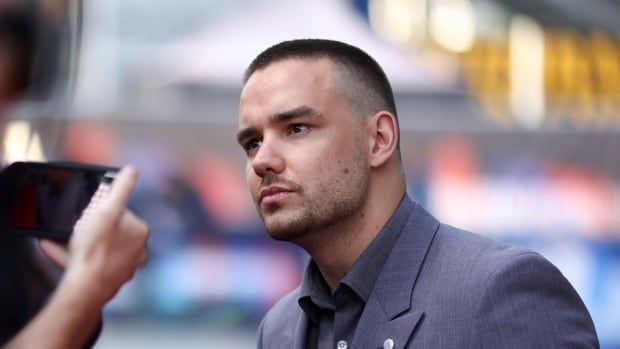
(331, 201)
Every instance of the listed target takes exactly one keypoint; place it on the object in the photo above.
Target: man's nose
(268, 158)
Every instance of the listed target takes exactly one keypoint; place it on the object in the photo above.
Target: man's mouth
(272, 194)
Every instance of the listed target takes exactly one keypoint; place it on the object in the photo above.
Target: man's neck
(336, 248)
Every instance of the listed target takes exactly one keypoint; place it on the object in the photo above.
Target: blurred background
(509, 113)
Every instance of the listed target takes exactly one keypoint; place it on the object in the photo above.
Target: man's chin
(284, 228)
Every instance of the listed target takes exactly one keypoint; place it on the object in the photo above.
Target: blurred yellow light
(453, 24)
(527, 71)
(20, 144)
(35, 150)
(16, 137)
(400, 21)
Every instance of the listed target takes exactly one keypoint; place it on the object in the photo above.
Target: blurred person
(318, 123)
(16, 50)
(25, 284)
(103, 253)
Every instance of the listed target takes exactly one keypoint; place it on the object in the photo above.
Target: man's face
(307, 164)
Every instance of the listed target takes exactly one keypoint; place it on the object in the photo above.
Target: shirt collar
(362, 276)
(314, 292)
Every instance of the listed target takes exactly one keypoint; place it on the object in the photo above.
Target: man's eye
(251, 145)
(297, 128)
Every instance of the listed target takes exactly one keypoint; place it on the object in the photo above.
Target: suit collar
(314, 292)
(395, 284)
(363, 275)
(389, 312)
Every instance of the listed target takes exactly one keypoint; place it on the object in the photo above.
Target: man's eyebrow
(245, 133)
(295, 113)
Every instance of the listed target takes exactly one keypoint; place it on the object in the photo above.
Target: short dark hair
(369, 88)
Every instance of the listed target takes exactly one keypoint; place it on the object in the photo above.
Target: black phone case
(34, 208)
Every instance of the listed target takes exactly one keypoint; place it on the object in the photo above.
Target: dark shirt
(333, 318)
(24, 284)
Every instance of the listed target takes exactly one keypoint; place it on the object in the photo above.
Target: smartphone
(46, 199)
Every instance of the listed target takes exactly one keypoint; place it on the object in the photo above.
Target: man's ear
(383, 138)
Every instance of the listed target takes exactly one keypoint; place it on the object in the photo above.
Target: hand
(108, 244)
(106, 248)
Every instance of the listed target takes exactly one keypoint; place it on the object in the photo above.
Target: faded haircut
(359, 76)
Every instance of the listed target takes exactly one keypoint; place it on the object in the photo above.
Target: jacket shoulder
(475, 252)
(279, 324)
(514, 296)
(531, 297)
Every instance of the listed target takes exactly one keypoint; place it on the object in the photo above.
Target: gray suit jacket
(446, 288)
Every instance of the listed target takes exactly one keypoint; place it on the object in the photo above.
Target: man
(318, 124)
(107, 247)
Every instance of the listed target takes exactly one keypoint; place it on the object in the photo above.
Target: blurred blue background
(509, 114)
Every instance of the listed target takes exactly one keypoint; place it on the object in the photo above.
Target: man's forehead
(285, 84)
(292, 70)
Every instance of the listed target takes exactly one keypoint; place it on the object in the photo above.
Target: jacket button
(388, 344)
(342, 345)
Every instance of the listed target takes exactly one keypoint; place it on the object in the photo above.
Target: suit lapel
(374, 327)
(300, 331)
(388, 312)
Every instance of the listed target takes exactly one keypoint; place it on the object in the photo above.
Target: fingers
(138, 233)
(144, 257)
(56, 252)
(123, 186)
(110, 242)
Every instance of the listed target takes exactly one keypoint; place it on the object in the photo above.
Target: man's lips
(271, 193)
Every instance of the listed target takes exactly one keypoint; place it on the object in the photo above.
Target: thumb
(55, 251)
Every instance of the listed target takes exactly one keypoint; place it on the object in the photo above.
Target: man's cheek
(253, 185)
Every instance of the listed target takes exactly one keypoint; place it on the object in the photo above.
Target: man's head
(358, 75)
(318, 124)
